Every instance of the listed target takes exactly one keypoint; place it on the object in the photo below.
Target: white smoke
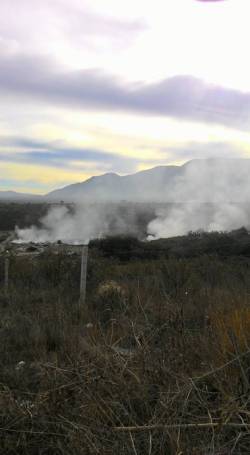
(180, 220)
(61, 224)
(80, 223)
(210, 195)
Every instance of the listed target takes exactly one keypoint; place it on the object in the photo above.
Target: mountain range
(225, 179)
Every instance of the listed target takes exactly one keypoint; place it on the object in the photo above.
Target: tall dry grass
(156, 363)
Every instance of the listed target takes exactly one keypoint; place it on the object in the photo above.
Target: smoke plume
(209, 195)
(79, 223)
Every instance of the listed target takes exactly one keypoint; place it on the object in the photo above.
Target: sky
(95, 86)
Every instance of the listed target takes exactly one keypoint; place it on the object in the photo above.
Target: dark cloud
(54, 155)
(181, 97)
(23, 142)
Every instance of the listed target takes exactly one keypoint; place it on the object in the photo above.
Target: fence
(14, 269)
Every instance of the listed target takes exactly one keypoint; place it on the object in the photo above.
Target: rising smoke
(81, 223)
(209, 195)
(61, 224)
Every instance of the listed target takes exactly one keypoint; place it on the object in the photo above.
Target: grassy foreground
(156, 362)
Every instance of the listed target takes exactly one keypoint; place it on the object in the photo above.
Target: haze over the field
(212, 195)
(111, 86)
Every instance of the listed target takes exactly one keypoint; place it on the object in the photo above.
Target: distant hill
(211, 180)
(142, 186)
(13, 196)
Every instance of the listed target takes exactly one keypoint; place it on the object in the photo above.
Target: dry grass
(232, 326)
(157, 363)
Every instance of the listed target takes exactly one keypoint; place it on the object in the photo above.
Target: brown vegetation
(157, 362)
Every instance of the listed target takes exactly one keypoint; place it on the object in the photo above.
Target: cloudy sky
(95, 86)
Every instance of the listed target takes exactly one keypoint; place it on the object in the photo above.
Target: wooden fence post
(6, 273)
(83, 276)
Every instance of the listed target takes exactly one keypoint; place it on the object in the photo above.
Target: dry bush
(147, 368)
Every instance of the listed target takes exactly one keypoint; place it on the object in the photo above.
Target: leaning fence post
(6, 273)
(83, 276)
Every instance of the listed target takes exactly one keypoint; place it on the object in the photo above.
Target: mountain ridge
(156, 184)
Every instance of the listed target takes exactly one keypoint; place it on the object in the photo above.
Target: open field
(156, 361)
